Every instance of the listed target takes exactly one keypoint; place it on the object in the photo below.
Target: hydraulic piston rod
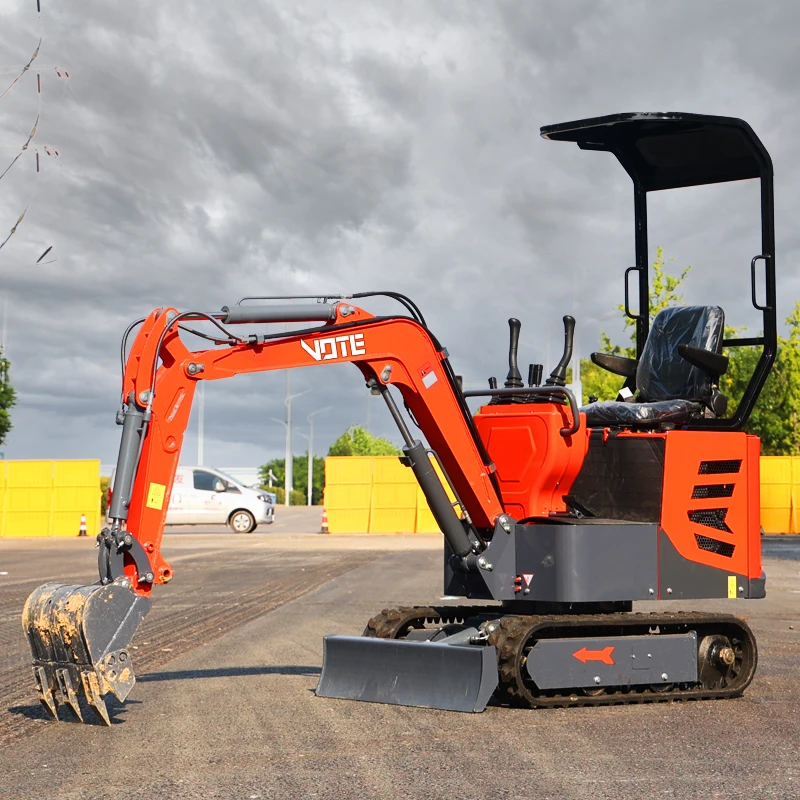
(417, 458)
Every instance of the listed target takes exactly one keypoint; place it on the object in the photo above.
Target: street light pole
(288, 463)
(311, 448)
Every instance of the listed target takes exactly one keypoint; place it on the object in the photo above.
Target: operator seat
(677, 376)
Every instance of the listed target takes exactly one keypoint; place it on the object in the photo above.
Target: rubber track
(514, 631)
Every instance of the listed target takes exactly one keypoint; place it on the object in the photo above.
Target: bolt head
(669, 591)
(651, 591)
(741, 590)
(526, 591)
(597, 679)
(664, 676)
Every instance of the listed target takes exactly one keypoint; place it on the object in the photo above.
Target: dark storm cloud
(211, 151)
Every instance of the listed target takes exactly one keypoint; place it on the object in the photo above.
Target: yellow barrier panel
(348, 493)
(780, 494)
(375, 494)
(47, 498)
(394, 497)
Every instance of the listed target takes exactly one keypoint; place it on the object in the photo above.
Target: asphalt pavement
(785, 547)
(231, 652)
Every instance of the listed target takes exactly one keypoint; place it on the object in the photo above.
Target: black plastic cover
(610, 413)
(621, 477)
(619, 365)
(663, 373)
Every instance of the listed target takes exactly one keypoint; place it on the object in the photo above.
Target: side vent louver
(713, 490)
(715, 546)
(711, 518)
(730, 466)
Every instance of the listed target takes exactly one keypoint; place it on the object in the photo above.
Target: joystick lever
(558, 377)
(514, 378)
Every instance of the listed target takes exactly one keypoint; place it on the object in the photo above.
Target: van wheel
(242, 521)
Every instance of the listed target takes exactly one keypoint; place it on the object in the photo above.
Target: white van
(206, 496)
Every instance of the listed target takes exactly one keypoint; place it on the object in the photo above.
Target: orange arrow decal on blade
(603, 655)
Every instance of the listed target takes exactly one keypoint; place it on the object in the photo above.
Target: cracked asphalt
(228, 659)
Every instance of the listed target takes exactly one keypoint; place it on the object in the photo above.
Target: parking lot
(229, 656)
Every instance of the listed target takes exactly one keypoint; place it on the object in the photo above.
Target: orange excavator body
(562, 517)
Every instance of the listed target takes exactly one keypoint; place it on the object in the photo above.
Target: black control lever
(558, 377)
(535, 375)
(513, 379)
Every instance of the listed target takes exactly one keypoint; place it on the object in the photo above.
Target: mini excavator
(555, 518)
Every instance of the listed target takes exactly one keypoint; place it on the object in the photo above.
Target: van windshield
(211, 482)
(229, 478)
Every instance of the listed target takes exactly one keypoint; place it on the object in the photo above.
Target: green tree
(299, 477)
(8, 397)
(104, 481)
(663, 294)
(775, 416)
(355, 441)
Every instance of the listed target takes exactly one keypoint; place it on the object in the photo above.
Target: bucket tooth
(91, 687)
(79, 638)
(46, 696)
(68, 692)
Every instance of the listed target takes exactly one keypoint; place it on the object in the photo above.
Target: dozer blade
(408, 673)
(79, 637)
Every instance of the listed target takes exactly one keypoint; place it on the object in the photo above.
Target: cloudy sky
(213, 150)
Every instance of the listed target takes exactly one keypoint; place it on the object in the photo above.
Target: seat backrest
(663, 374)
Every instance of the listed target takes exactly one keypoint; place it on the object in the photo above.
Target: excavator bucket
(451, 677)
(79, 637)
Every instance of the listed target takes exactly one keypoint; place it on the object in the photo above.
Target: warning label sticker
(527, 577)
(155, 496)
(428, 375)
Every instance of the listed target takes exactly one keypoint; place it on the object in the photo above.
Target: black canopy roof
(669, 150)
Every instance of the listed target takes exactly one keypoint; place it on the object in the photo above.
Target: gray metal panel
(758, 587)
(690, 580)
(614, 661)
(408, 673)
(574, 563)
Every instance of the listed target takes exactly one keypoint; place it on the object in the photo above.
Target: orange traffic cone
(324, 526)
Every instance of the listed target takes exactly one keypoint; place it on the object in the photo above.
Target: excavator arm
(79, 635)
(393, 351)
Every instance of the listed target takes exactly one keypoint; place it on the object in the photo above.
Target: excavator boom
(79, 635)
